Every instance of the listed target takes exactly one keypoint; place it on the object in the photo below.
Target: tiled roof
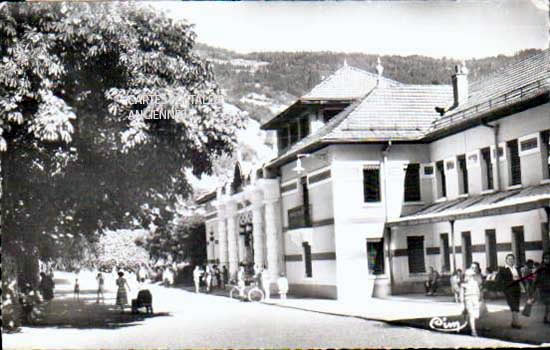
(396, 112)
(346, 83)
(517, 81)
(495, 203)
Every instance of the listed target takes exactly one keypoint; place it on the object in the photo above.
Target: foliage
(73, 162)
(184, 240)
(119, 249)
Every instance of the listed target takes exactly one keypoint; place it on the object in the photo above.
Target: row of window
(371, 174)
(415, 249)
(371, 183)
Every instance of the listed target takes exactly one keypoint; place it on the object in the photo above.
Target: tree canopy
(79, 153)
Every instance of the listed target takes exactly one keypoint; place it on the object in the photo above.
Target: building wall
(320, 236)
(532, 222)
(523, 124)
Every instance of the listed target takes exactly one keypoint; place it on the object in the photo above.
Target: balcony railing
(299, 217)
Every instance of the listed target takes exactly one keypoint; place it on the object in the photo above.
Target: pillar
(222, 235)
(256, 198)
(232, 240)
(273, 230)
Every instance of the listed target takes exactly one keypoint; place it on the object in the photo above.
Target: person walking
(219, 279)
(121, 294)
(282, 283)
(542, 284)
(76, 294)
(509, 278)
(470, 295)
(208, 278)
(241, 281)
(100, 288)
(197, 273)
(527, 272)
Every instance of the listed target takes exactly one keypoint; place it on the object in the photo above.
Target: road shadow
(86, 313)
(495, 326)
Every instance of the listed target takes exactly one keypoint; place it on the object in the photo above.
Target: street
(187, 320)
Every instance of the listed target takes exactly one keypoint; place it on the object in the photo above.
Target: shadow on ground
(491, 327)
(66, 312)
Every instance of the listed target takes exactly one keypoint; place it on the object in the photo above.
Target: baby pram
(144, 299)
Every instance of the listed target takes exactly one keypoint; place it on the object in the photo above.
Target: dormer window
(293, 132)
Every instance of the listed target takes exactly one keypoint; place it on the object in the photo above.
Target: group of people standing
(211, 276)
(471, 287)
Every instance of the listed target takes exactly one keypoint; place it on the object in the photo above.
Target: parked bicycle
(250, 293)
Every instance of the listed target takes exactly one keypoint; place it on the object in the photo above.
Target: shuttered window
(491, 248)
(466, 249)
(441, 180)
(446, 256)
(515, 163)
(412, 183)
(463, 173)
(488, 167)
(518, 244)
(545, 152)
(371, 184)
(307, 259)
(415, 252)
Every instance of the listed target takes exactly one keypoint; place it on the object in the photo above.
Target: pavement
(184, 319)
(419, 311)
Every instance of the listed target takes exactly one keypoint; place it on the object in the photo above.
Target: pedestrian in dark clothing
(509, 278)
(432, 283)
(225, 274)
(542, 283)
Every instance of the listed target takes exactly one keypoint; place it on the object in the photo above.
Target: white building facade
(373, 184)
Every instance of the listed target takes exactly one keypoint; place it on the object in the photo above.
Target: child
(100, 287)
(455, 284)
(282, 283)
(76, 290)
(471, 297)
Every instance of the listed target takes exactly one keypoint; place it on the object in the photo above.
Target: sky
(437, 28)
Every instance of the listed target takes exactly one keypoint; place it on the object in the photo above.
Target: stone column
(256, 197)
(270, 188)
(222, 235)
(232, 242)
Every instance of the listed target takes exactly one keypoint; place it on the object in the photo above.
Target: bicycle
(254, 294)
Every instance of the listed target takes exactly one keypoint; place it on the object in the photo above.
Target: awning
(497, 203)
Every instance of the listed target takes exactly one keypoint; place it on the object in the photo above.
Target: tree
(73, 161)
(184, 240)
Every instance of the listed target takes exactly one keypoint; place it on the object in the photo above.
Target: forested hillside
(263, 83)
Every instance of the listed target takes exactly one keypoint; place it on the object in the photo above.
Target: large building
(375, 181)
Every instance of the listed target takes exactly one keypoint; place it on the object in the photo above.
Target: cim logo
(441, 324)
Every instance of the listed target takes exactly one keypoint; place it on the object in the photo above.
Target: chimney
(379, 70)
(460, 84)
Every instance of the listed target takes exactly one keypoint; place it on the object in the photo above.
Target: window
(491, 248)
(305, 201)
(446, 255)
(441, 181)
(294, 133)
(283, 138)
(545, 236)
(487, 168)
(515, 163)
(307, 259)
(371, 184)
(545, 153)
(462, 174)
(304, 127)
(412, 183)
(466, 250)
(329, 113)
(415, 252)
(375, 257)
(518, 244)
